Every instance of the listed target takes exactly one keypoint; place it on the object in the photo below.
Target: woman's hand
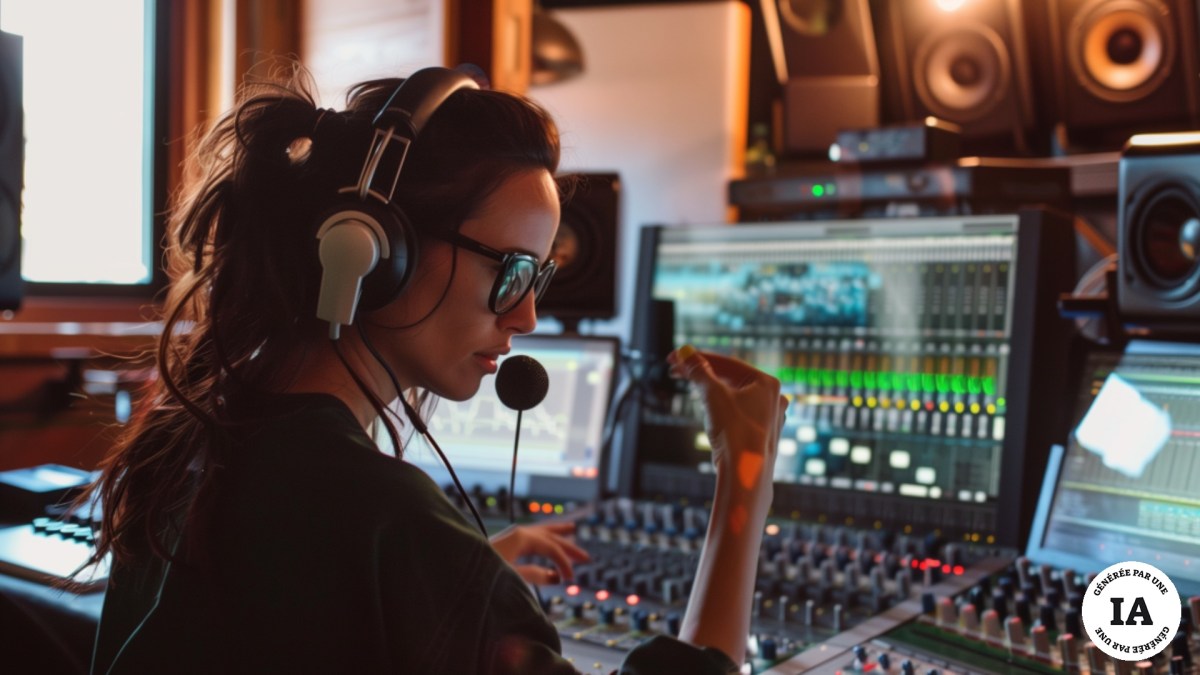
(546, 540)
(745, 416)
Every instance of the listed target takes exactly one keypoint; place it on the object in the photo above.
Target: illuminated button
(899, 459)
(997, 428)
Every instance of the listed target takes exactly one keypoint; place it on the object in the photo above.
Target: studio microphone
(521, 384)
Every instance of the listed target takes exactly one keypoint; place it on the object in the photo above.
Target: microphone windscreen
(521, 382)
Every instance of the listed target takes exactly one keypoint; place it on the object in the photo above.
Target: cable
(419, 425)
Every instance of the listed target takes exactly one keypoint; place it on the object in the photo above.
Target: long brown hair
(241, 253)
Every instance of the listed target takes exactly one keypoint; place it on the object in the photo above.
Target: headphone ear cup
(366, 252)
(385, 282)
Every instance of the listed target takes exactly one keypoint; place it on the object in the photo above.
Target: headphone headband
(398, 123)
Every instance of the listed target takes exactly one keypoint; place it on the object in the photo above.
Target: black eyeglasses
(519, 272)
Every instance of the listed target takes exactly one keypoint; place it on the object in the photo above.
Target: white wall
(662, 101)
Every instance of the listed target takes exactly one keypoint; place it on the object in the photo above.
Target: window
(91, 185)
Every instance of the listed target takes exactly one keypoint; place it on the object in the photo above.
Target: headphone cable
(421, 428)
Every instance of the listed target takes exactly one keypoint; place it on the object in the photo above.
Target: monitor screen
(905, 348)
(560, 439)
(1124, 485)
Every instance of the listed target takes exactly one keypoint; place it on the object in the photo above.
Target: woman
(255, 525)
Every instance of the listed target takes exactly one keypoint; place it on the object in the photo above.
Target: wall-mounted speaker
(1117, 67)
(964, 62)
(1158, 227)
(12, 165)
(585, 250)
(827, 62)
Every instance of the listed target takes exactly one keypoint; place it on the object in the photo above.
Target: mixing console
(817, 587)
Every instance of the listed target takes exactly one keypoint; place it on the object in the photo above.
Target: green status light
(818, 190)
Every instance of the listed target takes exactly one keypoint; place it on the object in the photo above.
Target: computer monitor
(559, 454)
(921, 357)
(1123, 487)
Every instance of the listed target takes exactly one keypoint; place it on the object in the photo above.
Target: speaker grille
(584, 287)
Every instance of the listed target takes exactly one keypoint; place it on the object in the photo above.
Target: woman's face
(449, 352)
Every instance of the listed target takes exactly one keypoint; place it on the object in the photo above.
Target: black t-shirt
(328, 556)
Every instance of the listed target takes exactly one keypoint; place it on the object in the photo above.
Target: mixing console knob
(673, 621)
(860, 654)
(947, 613)
(781, 608)
(1068, 649)
(928, 603)
(1046, 616)
(1177, 666)
(903, 585)
(851, 578)
(1072, 622)
(577, 611)
(933, 671)
(827, 572)
(1041, 640)
(991, 625)
(877, 579)
(607, 615)
(884, 661)
(1021, 607)
(1006, 586)
(768, 650)
(1070, 585)
(1181, 648)
(907, 668)
(1000, 603)
(1015, 628)
(1046, 577)
(969, 618)
(810, 610)
(1023, 575)
(641, 620)
(837, 618)
(1145, 667)
(756, 604)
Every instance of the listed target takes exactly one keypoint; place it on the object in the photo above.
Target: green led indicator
(843, 378)
(869, 379)
(831, 189)
(913, 382)
(856, 379)
(818, 190)
(989, 386)
(885, 380)
(827, 378)
(1000, 402)
(958, 384)
(973, 385)
(927, 383)
(943, 383)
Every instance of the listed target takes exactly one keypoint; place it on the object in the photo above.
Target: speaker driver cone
(1121, 50)
(1165, 233)
(963, 73)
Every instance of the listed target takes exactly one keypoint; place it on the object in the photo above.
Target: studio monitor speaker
(827, 61)
(1118, 67)
(964, 62)
(12, 162)
(585, 249)
(1158, 227)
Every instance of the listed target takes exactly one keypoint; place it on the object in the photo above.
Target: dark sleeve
(663, 654)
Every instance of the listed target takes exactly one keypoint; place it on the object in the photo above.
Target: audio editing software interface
(894, 341)
(1125, 486)
(559, 444)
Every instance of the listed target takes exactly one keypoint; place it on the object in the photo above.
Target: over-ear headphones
(367, 247)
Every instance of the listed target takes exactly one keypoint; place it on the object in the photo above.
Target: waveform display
(560, 437)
